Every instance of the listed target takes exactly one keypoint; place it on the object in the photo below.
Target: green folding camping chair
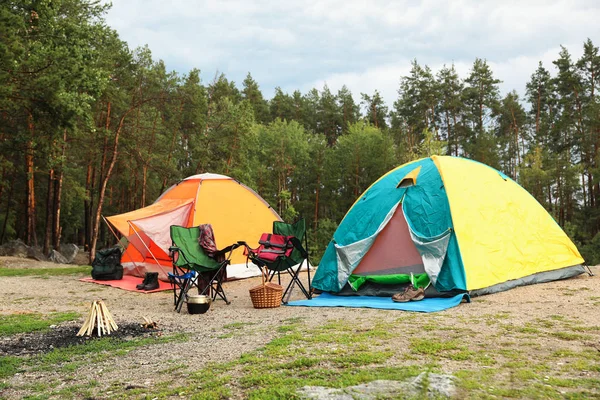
(285, 251)
(193, 267)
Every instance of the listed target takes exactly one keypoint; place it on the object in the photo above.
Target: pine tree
(450, 108)
(376, 112)
(253, 95)
(349, 109)
(330, 117)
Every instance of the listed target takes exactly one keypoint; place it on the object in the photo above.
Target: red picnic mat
(129, 283)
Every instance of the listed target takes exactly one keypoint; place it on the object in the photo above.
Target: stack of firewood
(149, 324)
(99, 319)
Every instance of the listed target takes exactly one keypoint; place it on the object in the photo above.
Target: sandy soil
(576, 298)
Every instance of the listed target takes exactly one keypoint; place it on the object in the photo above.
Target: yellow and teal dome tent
(455, 223)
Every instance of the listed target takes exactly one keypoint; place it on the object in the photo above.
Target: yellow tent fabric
(502, 231)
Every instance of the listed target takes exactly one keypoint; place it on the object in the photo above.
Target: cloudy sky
(364, 44)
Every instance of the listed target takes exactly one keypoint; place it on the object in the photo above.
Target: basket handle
(264, 274)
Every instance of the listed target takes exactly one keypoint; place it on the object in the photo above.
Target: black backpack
(107, 265)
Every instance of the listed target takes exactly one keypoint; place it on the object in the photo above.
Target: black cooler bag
(107, 265)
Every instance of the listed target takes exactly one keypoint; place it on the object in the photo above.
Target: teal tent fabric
(425, 204)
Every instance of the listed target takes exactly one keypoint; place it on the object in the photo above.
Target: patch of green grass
(68, 359)
(297, 320)
(287, 328)
(569, 292)
(336, 354)
(237, 325)
(361, 358)
(475, 379)
(582, 365)
(569, 336)
(22, 323)
(524, 375)
(9, 365)
(579, 328)
(22, 299)
(432, 346)
(45, 272)
(528, 329)
(581, 383)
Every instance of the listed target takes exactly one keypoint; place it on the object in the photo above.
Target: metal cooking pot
(198, 304)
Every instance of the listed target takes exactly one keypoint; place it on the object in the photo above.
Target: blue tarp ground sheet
(386, 303)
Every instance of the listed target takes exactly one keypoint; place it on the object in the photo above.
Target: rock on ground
(14, 248)
(36, 254)
(57, 257)
(435, 385)
(69, 251)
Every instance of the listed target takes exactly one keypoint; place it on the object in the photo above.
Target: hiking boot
(144, 282)
(411, 293)
(152, 281)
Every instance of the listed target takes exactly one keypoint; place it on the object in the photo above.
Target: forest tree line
(90, 127)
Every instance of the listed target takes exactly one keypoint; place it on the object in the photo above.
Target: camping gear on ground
(107, 265)
(463, 224)
(192, 267)
(267, 294)
(150, 282)
(410, 293)
(283, 251)
(99, 320)
(234, 210)
(198, 304)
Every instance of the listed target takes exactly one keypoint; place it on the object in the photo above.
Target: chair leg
(214, 287)
(179, 300)
(295, 281)
(184, 289)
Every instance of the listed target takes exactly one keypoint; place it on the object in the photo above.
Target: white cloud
(365, 45)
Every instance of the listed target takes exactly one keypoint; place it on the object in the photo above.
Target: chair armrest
(227, 249)
(298, 245)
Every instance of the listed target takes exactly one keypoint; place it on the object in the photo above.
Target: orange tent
(234, 210)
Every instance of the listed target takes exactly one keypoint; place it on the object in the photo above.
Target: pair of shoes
(411, 293)
(150, 282)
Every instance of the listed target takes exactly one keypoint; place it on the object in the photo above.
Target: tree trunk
(448, 132)
(233, 150)
(49, 208)
(537, 114)
(30, 235)
(317, 191)
(87, 206)
(58, 183)
(7, 213)
(105, 178)
(454, 136)
(144, 182)
(171, 148)
(516, 129)
(375, 116)
(356, 189)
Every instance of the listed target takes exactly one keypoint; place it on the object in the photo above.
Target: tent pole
(116, 237)
(149, 251)
(589, 271)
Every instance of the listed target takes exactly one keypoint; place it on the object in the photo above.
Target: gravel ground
(207, 332)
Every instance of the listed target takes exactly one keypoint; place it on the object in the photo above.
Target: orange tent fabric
(234, 210)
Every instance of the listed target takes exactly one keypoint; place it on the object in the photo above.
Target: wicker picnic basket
(267, 295)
